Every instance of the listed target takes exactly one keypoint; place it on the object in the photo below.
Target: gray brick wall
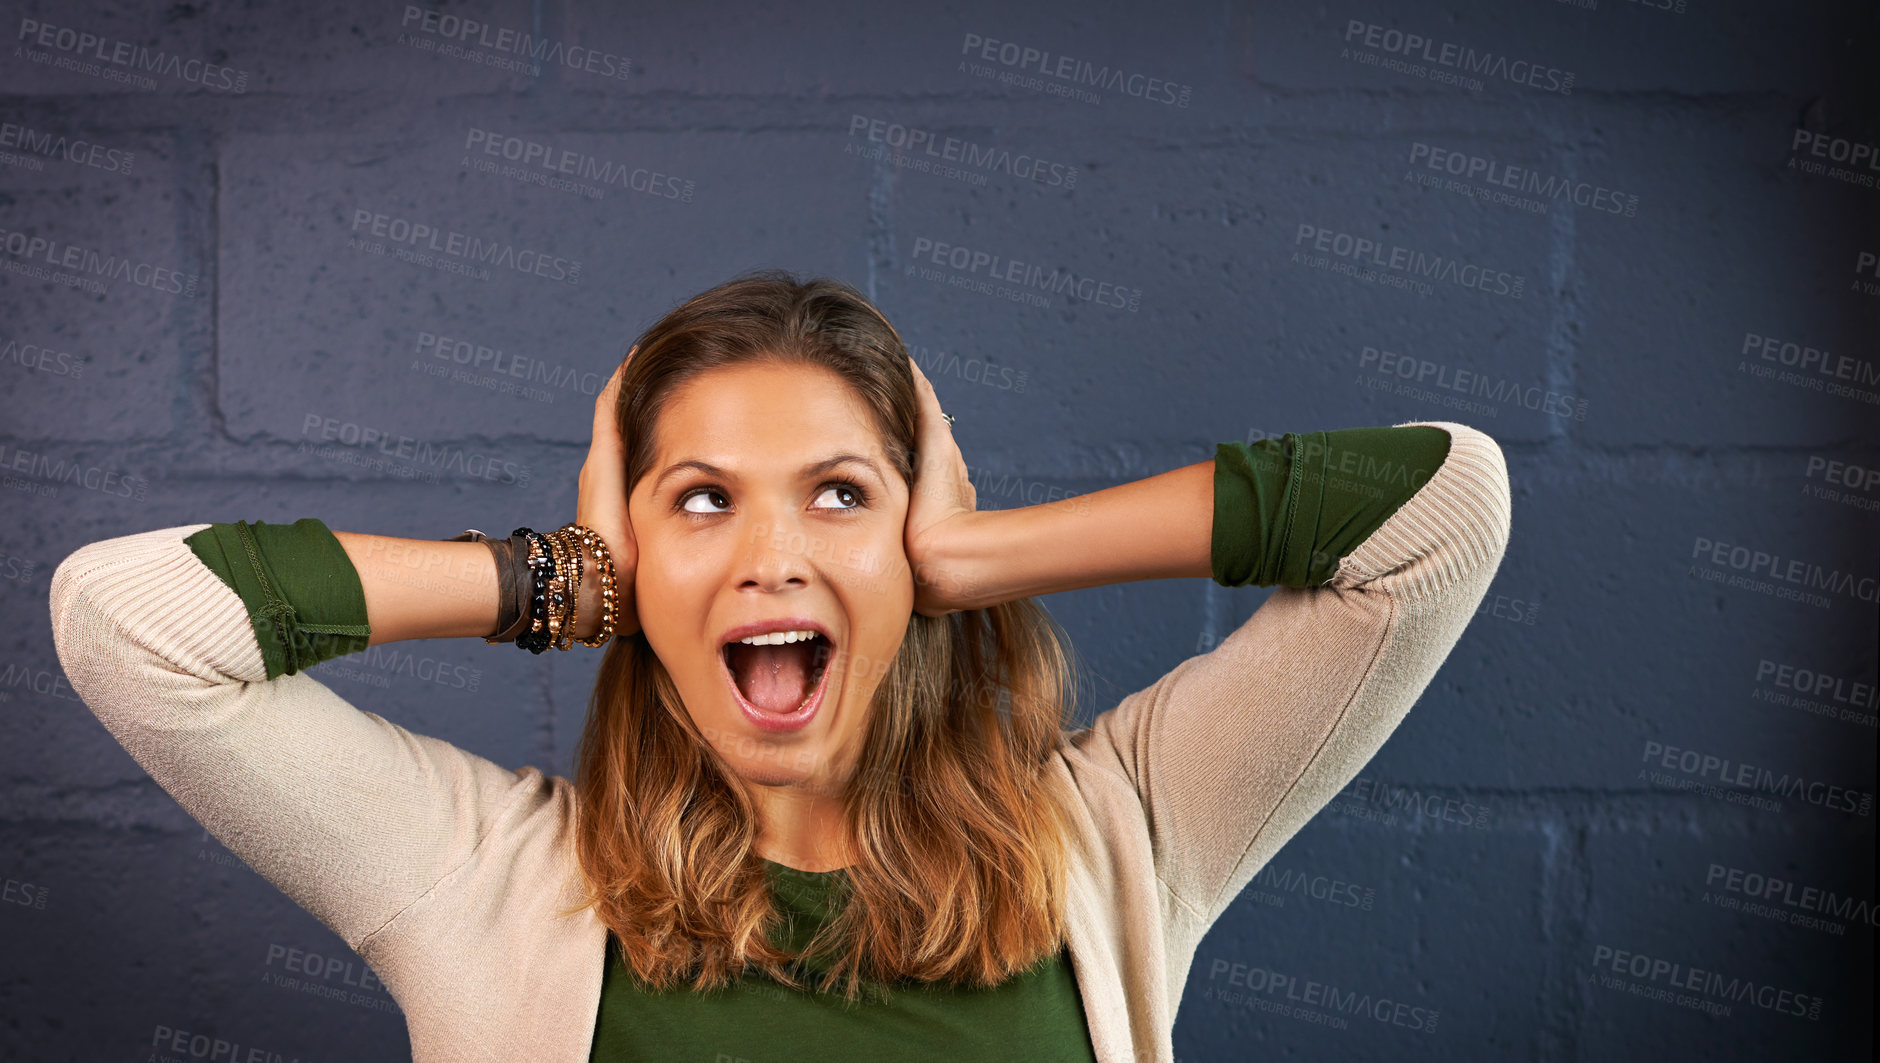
(1663, 208)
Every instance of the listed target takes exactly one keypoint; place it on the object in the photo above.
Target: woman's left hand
(941, 503)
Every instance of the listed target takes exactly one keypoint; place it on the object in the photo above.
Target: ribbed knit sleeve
(1233, 750)
(353, 817)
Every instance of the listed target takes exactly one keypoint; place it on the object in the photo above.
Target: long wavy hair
(960, 857)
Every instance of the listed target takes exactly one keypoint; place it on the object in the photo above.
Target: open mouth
(778, 674)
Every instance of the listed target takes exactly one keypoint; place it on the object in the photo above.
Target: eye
(843, 490)
(685, 500)
(846, 489)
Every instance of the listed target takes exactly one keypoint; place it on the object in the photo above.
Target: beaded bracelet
(604, 565)
(572, 546)
(545, 595)
(542, 567)
(559, 590)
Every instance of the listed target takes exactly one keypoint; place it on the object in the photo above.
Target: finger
(608, 399)
(937, 451)
(613, 382)
(931, 428)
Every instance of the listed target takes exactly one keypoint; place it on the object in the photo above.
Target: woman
(883, 840)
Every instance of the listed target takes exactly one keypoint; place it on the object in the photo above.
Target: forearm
(1277, 512)
(1155, 528)
(425, 589)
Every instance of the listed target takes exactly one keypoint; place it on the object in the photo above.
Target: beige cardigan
(442, 869)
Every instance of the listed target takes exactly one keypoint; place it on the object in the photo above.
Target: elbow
(1469, 503)
(1482, 492)
(66, 601)
(138, 619)
(1456, 527)
(77, 624)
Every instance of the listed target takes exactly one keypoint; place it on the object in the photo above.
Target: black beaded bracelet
(542, 567)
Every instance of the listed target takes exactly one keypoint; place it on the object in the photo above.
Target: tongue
(773, 678)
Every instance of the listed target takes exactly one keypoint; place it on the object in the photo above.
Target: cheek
(878, 604)
(678, 585)
(872, 570)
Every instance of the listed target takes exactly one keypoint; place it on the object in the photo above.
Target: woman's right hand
(601, 504)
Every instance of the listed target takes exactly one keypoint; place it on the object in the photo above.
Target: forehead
(769, 415)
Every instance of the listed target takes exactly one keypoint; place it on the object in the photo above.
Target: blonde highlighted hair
(959, 858)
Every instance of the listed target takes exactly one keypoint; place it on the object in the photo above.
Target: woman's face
(800, 516)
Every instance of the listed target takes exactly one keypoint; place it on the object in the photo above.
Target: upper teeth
(776, 638)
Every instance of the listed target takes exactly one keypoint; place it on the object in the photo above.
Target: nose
(778, 557)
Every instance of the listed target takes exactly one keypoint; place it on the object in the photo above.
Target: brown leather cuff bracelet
(513, 583)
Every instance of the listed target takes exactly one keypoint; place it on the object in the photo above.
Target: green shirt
(1036, 1017)
(1286, 511)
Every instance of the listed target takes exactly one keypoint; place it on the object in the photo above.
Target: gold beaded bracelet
(583, 536)
(559, 590)
(566, 544)
(571, 551)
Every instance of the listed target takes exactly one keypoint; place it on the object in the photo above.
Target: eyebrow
(814, 468)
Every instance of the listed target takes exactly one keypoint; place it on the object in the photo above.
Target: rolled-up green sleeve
(301, 589)
(1287, 510)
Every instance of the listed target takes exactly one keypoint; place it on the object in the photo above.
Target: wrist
(957, 560)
